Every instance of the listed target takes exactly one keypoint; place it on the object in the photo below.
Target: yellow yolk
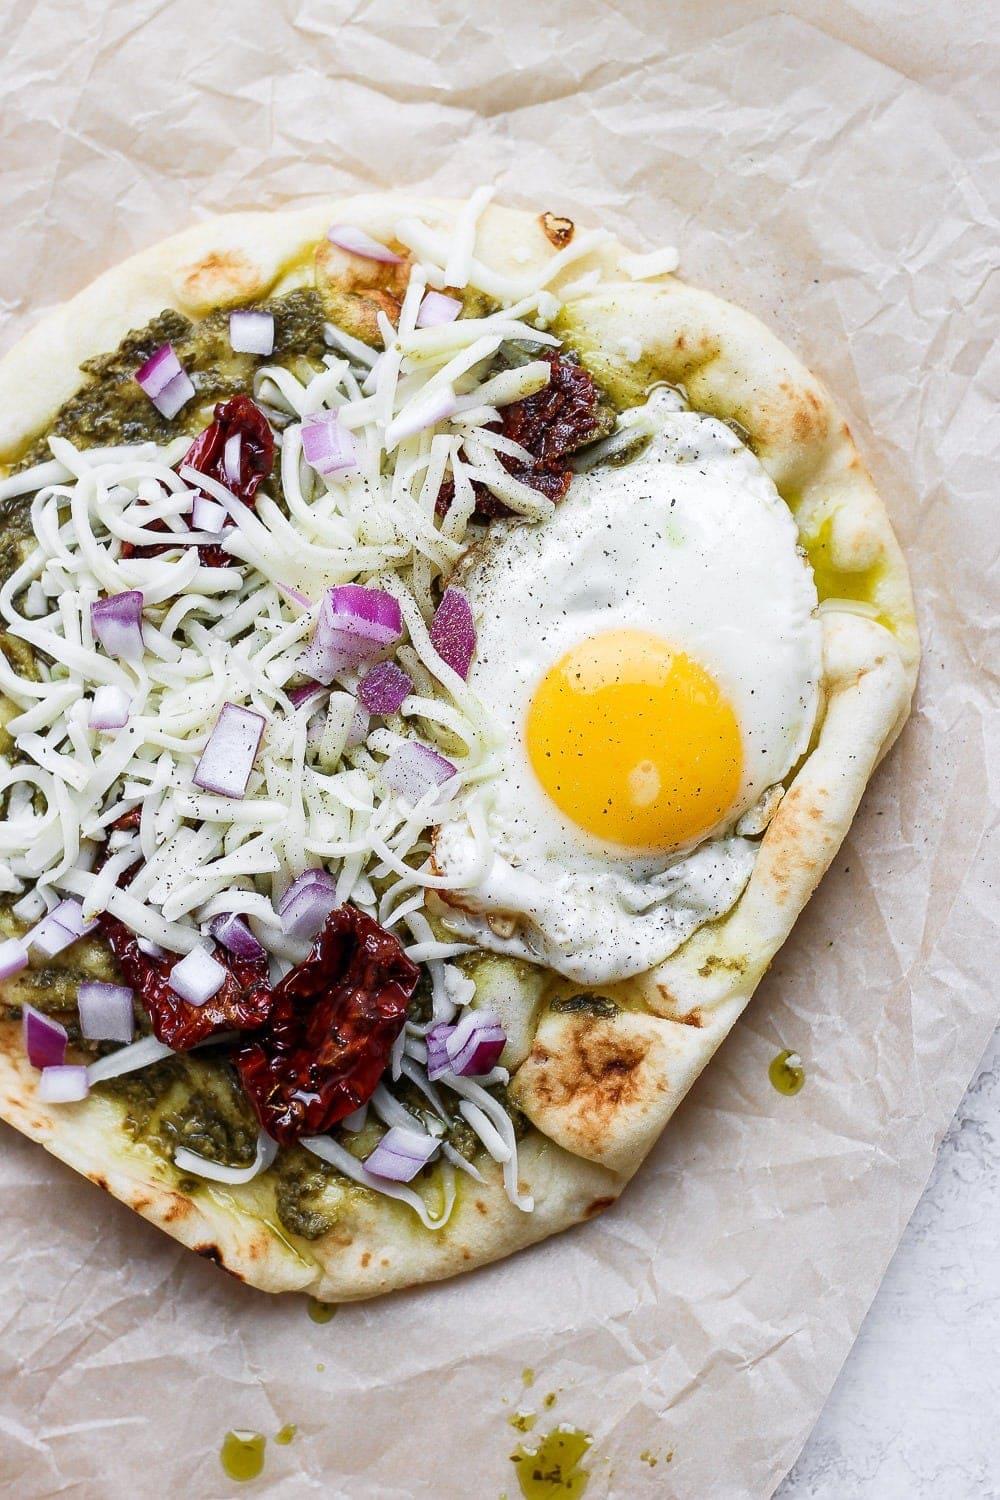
(634, 741)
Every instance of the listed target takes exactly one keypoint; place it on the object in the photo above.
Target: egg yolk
(634, 741)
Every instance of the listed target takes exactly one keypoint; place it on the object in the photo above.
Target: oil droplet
(321, 1368)
(649, 1458)
(528, 1376)
(550, 1401)
(242, 1454)
(524, 1421)
(552, 1470)
(321, 1312)
(284, 1437)
(786, 1073)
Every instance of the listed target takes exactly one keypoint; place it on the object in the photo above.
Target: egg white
(692, 543)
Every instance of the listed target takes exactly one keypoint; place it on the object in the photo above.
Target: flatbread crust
(598, 1089)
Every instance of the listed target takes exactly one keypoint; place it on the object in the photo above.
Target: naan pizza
(441, 653)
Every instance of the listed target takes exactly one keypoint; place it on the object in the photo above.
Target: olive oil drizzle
(786, 1073)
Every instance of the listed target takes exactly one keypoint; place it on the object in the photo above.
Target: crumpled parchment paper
(828, 166)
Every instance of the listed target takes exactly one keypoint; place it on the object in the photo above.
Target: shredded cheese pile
(236, 634)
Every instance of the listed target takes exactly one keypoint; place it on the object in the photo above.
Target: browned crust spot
(598, 1072)
(214, 1254)
(220, 278)
(558, 230)
(597, 1207)
(366, 1259)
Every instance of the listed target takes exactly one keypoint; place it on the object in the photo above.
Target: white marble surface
(916, 1410)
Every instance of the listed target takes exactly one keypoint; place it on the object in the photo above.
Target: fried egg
(651, 654)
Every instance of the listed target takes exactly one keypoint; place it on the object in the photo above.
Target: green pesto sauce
(321, 1312)
(552, 1471)
(787, 1077)
(242, 1454)
(111, 407)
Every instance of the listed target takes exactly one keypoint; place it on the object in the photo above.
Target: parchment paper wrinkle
(832, 167)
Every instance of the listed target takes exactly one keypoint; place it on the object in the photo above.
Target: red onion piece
(44, 1039)
(437, 309)
(69, 914)
(106, 1013)
(228, 757)
(354, 625)
(231, 461)
(233, 933)
(251, 332)
(63, 925)
(373, 607)
(400, 1154)
(328, 447)
(422, 412)
(63, 1084)
(13, 957)
(304, 691)
(453, 631)
(307, 903)
(110, 708)
(197, 976)
(208, 515)
(414, 769)
(117, 624)
(359, 243)
(165, 381)
(475, 1043)
(294, 595)
(438, 1060)
(384, 687)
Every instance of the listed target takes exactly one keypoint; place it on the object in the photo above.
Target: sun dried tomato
(243, 1003)
(241, 418)
(557, 420)
(331, 1029)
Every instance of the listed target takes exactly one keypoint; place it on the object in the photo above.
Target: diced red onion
(117, 624)
(400, 1154)
(63, 926)
(294, 595)
(251, 332)
(303, 692)
(233, 933)
(359, 243)
(356, 1120)
(197, 976)
(475, 1043)
(307, 903)
(208, 515)
(422, 412)
(13, 957)
(228, 757)
(110, 708)
(384, 687)
(354, 625)
(327, 446)
(438, 1058)
(437, 309)
(231, 457)
(63, 1084)
(69, 914)
(453, 631)
(106, 1013)
(414, 768)
(44, 1039)
(165, 381)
